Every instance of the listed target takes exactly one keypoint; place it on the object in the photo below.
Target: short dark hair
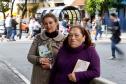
(66, 16)
(113, 14)
(86, 19)
(87, 41)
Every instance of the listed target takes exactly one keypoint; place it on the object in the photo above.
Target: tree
(34, 9)
(101, 5)
(12, 6)
(93, 5)
(22, 7)
(4, 7)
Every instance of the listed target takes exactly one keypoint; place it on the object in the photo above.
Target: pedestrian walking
(86, 24)
(14, 24)
(93, 30)
(77, 50)
(44, 49)
(115, 38)
(98, 27)
(8, 25)
(31, 27)
(65, 23)
(36, 28)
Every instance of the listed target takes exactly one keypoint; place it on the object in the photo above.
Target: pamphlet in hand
(45, 50)
(81, 65)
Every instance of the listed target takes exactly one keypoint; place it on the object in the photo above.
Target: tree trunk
(22, 16)
(12, 7)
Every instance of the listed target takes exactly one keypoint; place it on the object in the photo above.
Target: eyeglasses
(51, 22)
(75, 35)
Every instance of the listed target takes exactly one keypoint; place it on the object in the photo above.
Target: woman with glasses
(77, 61)
(44, 49)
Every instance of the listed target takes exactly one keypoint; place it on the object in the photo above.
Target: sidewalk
(106, 38)
(7, 76)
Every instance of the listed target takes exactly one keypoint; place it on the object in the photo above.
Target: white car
(2, 27)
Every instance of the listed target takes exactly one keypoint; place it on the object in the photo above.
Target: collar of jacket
(59, 37)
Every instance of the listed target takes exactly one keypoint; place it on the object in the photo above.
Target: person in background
(76, 46)
(98, 27)
(14, 24)
(65, 23)
(93, 30)
(8, 25)
(86, 24)
(31, 26)
(115, 38)
(36, 28)
(44, 49)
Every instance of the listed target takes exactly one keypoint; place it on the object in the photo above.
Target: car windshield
(1, 22)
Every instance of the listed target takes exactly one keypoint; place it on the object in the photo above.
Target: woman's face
(50, 25)
(75, 38)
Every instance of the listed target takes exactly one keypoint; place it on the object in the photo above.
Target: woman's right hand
(44, 60)
(45, 63)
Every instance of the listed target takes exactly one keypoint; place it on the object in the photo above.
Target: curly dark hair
(85, 33)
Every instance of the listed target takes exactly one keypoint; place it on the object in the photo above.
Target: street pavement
(106, 38)
(9, 75)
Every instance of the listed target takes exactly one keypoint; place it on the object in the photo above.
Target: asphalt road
(114, 70)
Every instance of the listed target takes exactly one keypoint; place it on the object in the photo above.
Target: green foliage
(6, 0)
(4, 5)
(115, 3)
(90, 6)
(101, 5)
(93, 5)
(34, 8)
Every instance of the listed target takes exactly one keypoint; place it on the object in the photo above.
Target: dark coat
(115, 32)
(39, 75)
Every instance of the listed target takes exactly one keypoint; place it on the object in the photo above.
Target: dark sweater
(115, 32)
(66, 60)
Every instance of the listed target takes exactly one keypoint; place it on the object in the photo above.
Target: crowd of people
(93, 26)
(14, 26)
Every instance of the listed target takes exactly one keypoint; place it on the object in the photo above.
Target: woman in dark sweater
(76, 46)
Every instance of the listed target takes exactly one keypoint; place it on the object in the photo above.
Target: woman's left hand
(72, 77)
(46, 65)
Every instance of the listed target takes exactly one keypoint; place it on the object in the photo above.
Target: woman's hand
(72, 77)
(44, 60)
(45, 63)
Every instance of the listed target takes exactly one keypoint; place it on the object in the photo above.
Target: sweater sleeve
(94, 67)
(32, 56)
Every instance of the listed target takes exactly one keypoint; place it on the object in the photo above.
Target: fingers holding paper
(72, 77)
(45, 63)
(44, 60)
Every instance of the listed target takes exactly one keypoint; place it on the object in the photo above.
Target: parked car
(2, 28)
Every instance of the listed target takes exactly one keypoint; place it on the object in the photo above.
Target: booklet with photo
(81, 65)
(45, 50)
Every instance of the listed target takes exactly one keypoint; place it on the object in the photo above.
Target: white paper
(81, 65)
(44, 50)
